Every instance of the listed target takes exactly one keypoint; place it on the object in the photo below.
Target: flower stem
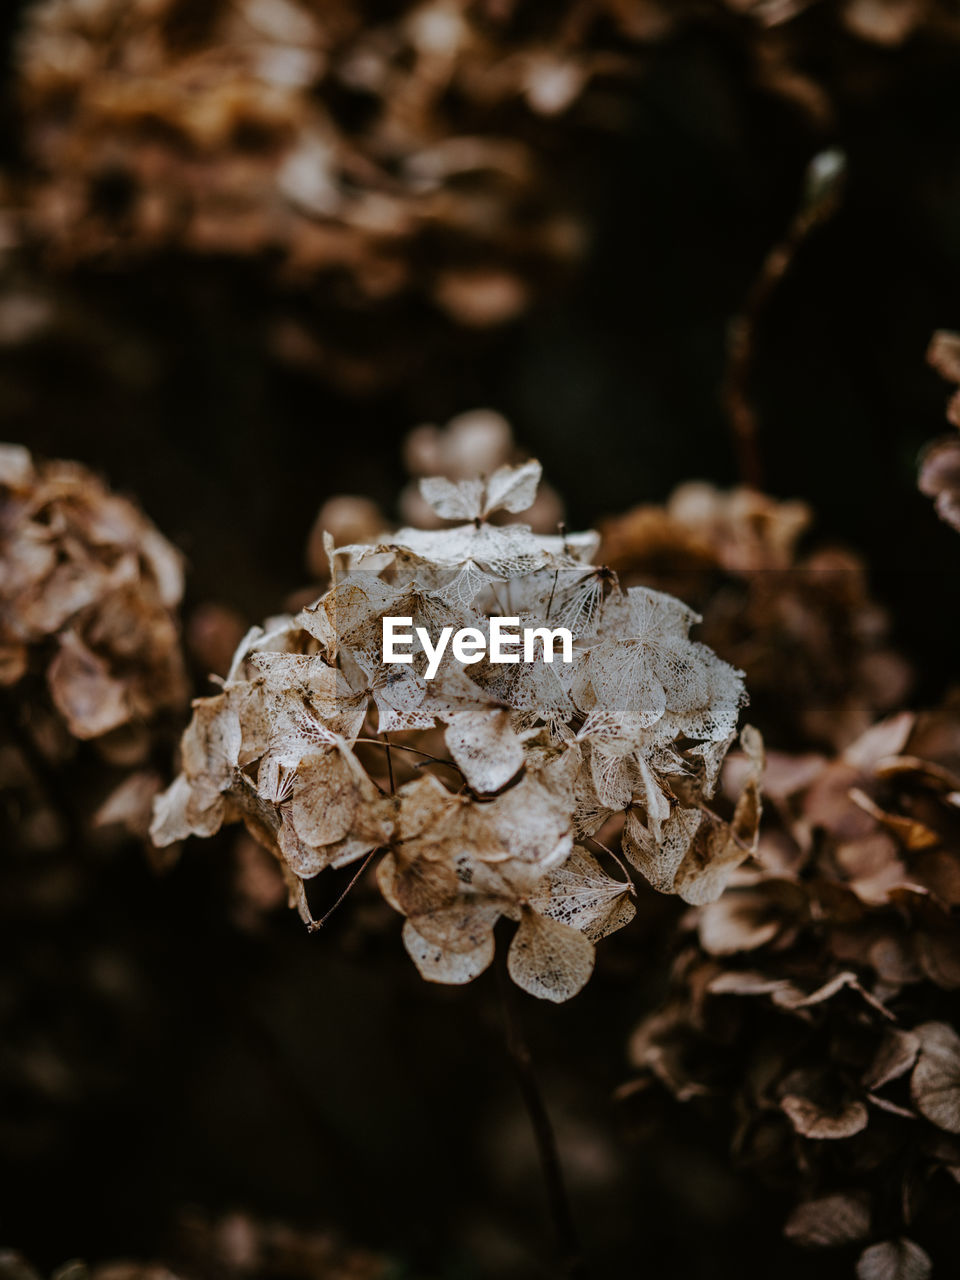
(558, 1200)
(818, 205)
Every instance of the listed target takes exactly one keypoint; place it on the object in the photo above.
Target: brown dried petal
(660, 860)
(581, 894)
(911, 834)
(894, 1260)
(439, 964)
(813, 1121)
(888, 738)
(90, 699)
(550, 960)
(830, 1221)
(943, 354)
(718, 848)
(326, 793)
(895, 1056)
(170, 822)
(739, 921)
(484, 745)
(935, 1083)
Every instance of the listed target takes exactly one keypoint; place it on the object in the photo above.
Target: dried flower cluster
(815, 1003)
(394, 168)
(88, 590)
(542, 754)
(357, 151)
(940, 463)
(92, 686)
(802, 625)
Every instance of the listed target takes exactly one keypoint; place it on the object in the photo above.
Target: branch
(821, 200)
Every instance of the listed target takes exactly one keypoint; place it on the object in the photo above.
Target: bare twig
(822, 197)
(315, 925)
(558, 1200)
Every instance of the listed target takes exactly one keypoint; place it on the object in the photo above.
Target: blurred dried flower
(471, 444)
(238, 1244)
(344, 146)
(89, 645)
(347, 519)
(88, 589)
(544, 754)
(93, 691)
(813, 1003)
(235, 1244)
(802, 625)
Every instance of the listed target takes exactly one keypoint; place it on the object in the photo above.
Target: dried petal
(935, 1083)
(548, 959)
(894, 1260)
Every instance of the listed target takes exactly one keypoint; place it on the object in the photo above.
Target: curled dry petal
(814, 1121)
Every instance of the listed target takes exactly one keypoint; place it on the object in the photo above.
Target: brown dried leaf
(739, 921)
(719, 848)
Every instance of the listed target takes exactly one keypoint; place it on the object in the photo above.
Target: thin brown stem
(393, 784)
(399, 746)
(818, 206)
(558, 1199)
(316, 925)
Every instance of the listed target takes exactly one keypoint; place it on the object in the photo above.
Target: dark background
(317, 1079)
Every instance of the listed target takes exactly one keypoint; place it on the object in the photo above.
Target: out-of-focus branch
(822, 193)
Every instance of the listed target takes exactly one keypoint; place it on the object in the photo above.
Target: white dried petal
(548, 959)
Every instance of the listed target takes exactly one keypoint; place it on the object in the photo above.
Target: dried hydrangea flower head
(802, 624)
(86, 579)
(815, 1003)
(92, 693)
(530, 759)
(89, 649)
